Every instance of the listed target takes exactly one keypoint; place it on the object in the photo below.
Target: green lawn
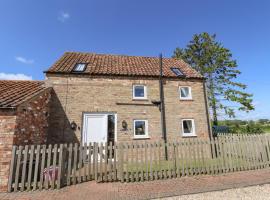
(186, 164)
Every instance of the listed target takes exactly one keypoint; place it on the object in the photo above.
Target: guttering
(8, 108)
(125, 75)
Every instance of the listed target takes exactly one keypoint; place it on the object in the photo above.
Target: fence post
(69, 170)
(41, 183)
(174, 160)
(25, 157)
(36, 167)
(96, 160)
(60, 162)
(121, 163)
(18, 163)
(11, 172)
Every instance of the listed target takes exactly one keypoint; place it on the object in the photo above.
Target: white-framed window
(185, 92)
(140, 128)
(188, 127)
(139, 92)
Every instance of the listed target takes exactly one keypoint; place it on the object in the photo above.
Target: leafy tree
(215, 63)
(252, 128)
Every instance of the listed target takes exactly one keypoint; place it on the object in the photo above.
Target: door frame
(101, 113)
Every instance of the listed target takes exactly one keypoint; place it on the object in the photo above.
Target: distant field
(266, 129)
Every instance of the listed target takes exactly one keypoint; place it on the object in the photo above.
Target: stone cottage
(24, 112)
(107, 98)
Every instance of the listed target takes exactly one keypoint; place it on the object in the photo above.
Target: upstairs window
(177, 71)
(188, 127)
(79, 67)
(139, 92)
(140, 129)
(185, 93)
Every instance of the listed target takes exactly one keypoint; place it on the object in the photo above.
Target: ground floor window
(188, 127)
(140, 129)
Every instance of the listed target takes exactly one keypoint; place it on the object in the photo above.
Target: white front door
(95, 128)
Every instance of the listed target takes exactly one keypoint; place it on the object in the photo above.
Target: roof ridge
(111, 54)
(4, 80)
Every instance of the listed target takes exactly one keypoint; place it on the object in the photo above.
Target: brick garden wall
(77, 94)
(25, 125)
(7, 127)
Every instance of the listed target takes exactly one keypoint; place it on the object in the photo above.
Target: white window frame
(190, 93)
(146, 129)
(193, 128)
(145, 92)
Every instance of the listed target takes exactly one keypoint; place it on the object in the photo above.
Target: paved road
(260, 192)
(151, 189)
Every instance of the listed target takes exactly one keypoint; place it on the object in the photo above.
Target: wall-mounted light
(157, 103)
(124, 125)
(73, 125)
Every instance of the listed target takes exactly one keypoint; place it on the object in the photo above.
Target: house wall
(32, 120)
(25, 125)
(7, 127)
(74, 95)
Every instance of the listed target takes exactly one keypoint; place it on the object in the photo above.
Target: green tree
(215, 63)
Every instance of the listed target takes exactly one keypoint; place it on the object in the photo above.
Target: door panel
(95, 128)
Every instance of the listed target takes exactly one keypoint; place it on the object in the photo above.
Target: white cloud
(63, 16)
(5, 76)
(24, 60)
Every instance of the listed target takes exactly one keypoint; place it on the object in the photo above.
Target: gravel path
(260, 192)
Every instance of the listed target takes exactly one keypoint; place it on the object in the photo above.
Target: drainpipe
(162, 107)
(207, 110)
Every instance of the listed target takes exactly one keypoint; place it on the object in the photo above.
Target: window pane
(184, 92)
(139, 91)
(139, 127)
(187, 125)
(176, 71)
(79, 67)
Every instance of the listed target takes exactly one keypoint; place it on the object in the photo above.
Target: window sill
(141, 138)
(134, 99)
(188, 136)
(186, 99)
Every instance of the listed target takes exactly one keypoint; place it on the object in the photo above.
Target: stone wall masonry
(76, 94)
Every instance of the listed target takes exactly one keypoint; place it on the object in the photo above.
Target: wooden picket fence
(54, 166)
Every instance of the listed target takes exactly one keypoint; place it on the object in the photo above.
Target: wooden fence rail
(53, 166)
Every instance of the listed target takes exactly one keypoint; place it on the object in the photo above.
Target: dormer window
(79, 67)
(176, 71)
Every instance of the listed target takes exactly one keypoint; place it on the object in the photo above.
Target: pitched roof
(13, 93)
(121, 65)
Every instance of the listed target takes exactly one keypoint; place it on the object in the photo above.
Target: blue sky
(35, 33)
